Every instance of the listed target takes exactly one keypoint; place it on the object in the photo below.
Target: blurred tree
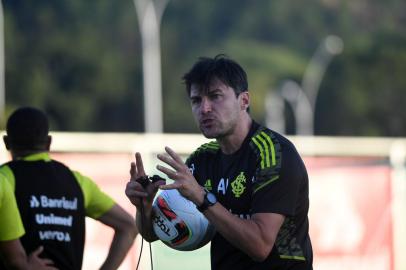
(81, 61)
(364, 93)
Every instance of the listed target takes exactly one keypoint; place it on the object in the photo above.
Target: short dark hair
(27, 128)
(206, 69)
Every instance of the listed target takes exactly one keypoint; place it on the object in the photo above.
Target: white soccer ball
(178, 223)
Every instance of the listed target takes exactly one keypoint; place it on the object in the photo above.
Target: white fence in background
(390, 153)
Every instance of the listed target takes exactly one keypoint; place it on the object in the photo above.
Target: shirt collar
(44, 156)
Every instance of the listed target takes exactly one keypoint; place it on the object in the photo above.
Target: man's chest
(230, 179)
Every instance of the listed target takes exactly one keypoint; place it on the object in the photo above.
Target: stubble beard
(209, 133)
(217, 132)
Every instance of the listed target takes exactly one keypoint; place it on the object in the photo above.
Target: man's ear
(49, 140)
(6, 142)
(244, 100)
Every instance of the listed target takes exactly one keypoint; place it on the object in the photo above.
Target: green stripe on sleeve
(268, 164)
(260, 150)
(300, 258)
(266, 183)
(272, 147)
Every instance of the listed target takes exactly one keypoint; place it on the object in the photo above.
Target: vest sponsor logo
(54, 220)
(54, 235)
(46, 202)
(34, 203)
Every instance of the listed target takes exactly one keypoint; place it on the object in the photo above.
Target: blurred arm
(14, 257)
(125, 232)
(13, 254)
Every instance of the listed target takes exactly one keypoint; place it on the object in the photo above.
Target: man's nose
(205, 105)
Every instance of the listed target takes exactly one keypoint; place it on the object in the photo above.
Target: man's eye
(194, 100)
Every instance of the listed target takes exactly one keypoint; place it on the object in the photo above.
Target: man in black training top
(250, 182)
(54, 201)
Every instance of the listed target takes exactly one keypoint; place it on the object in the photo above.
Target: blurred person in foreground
(250, 182)
(53, 200)
(12, 253)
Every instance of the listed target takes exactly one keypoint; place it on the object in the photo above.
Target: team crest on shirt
(238, 185)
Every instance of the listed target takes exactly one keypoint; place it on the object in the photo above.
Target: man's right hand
(135, 192)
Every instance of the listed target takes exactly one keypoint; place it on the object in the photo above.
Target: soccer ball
(178, 223)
